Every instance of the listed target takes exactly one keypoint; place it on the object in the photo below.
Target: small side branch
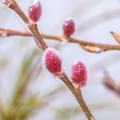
(87, 45)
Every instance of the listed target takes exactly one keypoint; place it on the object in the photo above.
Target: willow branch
(77, 94)
(31, 25)
(41, 44)
(85, 44)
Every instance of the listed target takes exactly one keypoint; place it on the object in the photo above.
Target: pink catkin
(52, 60)
(68, 27)
(79, 74)
(35, 11)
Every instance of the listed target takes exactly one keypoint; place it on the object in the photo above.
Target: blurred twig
(110, 84)
(116, 36)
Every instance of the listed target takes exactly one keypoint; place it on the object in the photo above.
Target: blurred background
(42, 96)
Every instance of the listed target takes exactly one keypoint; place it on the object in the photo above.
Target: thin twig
(110, 84)
(86, 44)
(77, 94)
(116, 36)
